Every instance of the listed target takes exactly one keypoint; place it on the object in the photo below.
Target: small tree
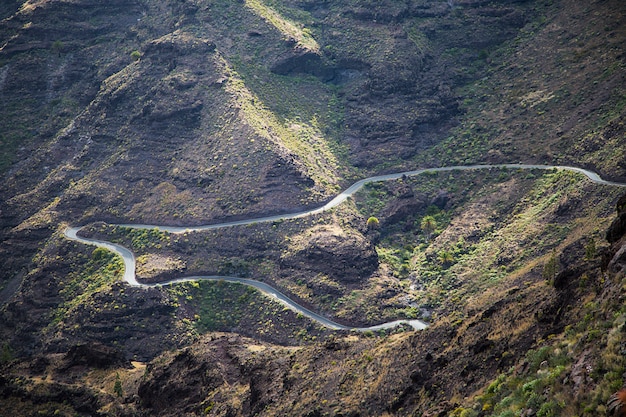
(445, 258)
(6, 353)
(135, 55)
(372, 223)
(117, 387)
(57, 47)
(551, 268)
(590, 249)
(428, 225)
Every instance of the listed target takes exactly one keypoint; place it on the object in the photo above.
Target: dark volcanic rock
(19, 398)
(618, 227)
(303, 62)
(181, 385)
(137, 323)
(94, 355)
(441, 199)
(346, 257)
(401, 209)
(168, 48)
(615, 259)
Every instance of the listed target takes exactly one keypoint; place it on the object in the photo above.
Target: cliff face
(193, 112)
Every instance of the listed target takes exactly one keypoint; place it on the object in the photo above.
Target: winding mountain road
(129, 258)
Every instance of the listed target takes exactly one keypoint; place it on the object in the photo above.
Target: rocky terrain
(201, 111)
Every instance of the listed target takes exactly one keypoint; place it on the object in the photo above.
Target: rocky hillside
(199, 111)
(543, 348)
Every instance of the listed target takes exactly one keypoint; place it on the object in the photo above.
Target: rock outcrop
(344, 257)
(618, 228)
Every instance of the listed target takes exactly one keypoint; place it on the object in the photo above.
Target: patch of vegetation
(585, 354)
(417, 36)
(117, 387)
(140, 241)
(224, 306)
(146, 238)
(524, 222)
(372, 197)
(288, 28)
(372, 223)
(6, 353)
(300, 102)
(101, 270)
(10, 142)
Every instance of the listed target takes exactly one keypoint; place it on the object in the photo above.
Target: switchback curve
(129, 258)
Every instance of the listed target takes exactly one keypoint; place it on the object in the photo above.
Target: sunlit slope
(176, 133)
(556, 93)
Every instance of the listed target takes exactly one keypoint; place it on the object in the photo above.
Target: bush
(590, 249)
(372, 223)
(549, 409)
(99, 254)
(117, 388)
(57, 47)
(551, 268)
(6, 354)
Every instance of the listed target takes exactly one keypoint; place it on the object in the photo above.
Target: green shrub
(99, 254)
(6, 354)
(428, 225)
(117, 388)
(549, 409)
(372, 223)
(57, 47)
(551, 268)
(590, 249)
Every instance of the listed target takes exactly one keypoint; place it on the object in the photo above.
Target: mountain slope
(187, 113)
